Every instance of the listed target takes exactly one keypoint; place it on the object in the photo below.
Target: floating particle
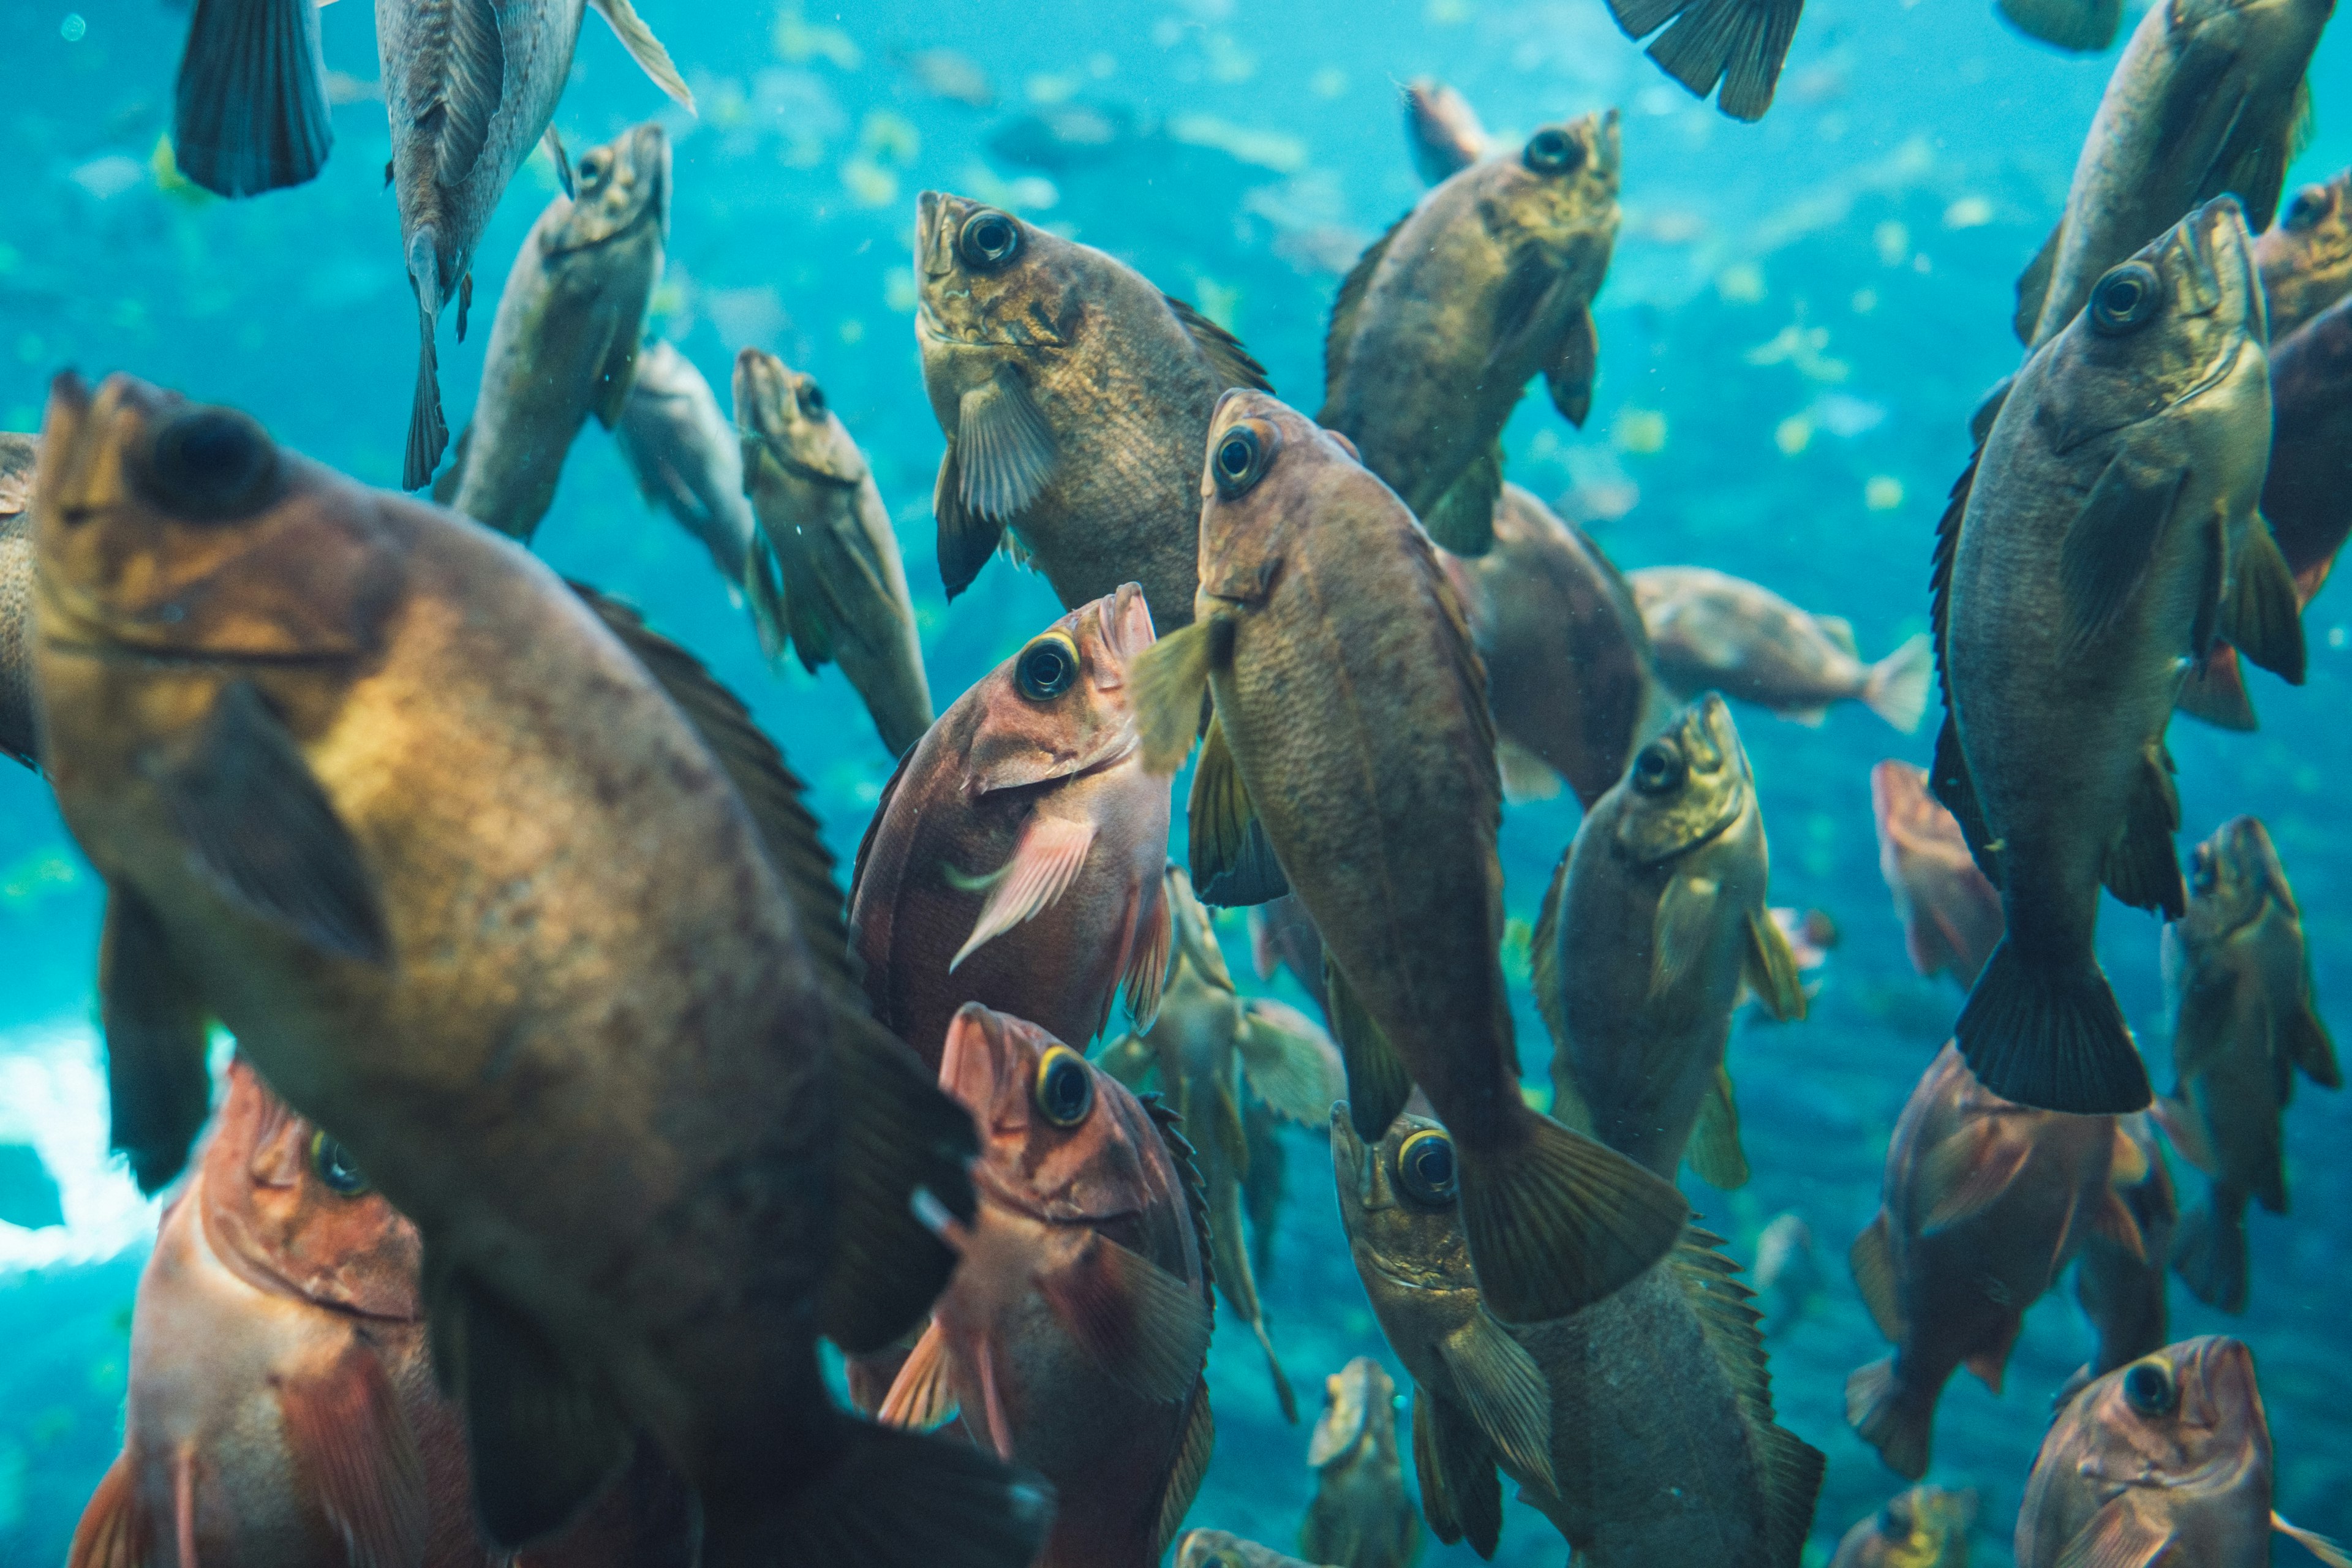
(1793, 434)
(1882, 492)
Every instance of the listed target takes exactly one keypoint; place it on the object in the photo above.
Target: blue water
(1846, 266)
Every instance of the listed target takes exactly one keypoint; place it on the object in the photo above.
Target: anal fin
(1461, 521)
(157, 1086)
(2142, 868)
(2264, 617)
(1232, 862)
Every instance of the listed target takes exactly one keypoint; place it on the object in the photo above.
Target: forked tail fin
(250, 113)
(1897, 688)
(1888, 1416)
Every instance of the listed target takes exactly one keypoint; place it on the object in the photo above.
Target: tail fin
(1888, 1416)
(1738, 43)
(1556, 1221)
(2050, 1036)
(429, 433)
(2209, 1251)
(1897, 688)
(251, 109)
(1282, 1391)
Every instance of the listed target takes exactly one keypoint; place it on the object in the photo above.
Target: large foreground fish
(503, 892)
(250, 112)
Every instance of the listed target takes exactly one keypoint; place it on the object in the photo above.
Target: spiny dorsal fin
(1171, 1123)
(1939, 576)
(1343, 310)
(1233, 363)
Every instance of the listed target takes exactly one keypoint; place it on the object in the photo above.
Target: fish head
(784, 418)
(2186, 1424)
(1924, 1527)
(1683, 789)
(2235, 876)
(2312, 236)
(1269, 471)
(1558, 191)
(1222, 1549)
(1359, 1403)
(1060, 708)
(622, 192)
(1397, 1202)
(1784, 1248)
(988, 286)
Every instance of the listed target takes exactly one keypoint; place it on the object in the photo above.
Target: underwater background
(1800, 316)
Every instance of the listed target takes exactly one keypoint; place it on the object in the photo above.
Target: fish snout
(934, 238)
(1126, 623)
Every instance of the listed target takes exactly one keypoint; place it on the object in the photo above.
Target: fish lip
(1129, 743)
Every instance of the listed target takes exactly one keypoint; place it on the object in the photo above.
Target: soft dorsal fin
(1343, 310)
(1234, 365)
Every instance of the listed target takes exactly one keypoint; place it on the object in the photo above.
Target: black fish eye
(1046, 667)
(2126, 299)
(2200, 869)
(1659, 770)
(1065, 1089)
(2304, 211)
(595, 165)
(1425, 1166)
(1241, 456)
(989, 240)
(2149, 1388)
(212, 465)
(334, 1166)
(811, 399)
(1553, 152)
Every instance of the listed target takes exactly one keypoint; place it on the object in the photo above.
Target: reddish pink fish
(1950, 913)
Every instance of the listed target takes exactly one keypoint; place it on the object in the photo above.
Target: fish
(1655, 918)
(1283, 937)
(2237, 974)
(1361, 1515)
(470, 88)
(1950, 911)
(2167, 1460)
(1222, 1549)
(575, 995)
(1487, 283)
(2123, 1292)
(1205, 1042)
(1441, 128)
(249, 110)
(1788, 1273)
(1568, 669)
(564, 342)
(1015, 857)
(2305, 257)
(1711, 631)
(2207, 98)
(19, 468)
(2066, 612)
(1075, 399)
(2086, 27)
(1075, 1335)
(1642, 1425)
(1925, 1527)
(822, 522)
(1984, 1204)
(1349, 758)
(949, 74)
(1736, 45)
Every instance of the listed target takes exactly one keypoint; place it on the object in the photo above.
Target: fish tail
(2209, 1251)
(2050, 1036)
(1556, 1221)
(1887, 1413)
(1897, 688)
(250, 110)
(1282, 1391)
(429, 433)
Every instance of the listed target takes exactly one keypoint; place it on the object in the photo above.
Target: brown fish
(1351, 759)
(1441, 128)
(1222, 1549)
(1487, 282)
(1950, 912)
(249, 111)
(1015, 857)
(2166, 1460)
(1788, 1273)
(2243, 1025)
(2124, 1292)
(1076, 398)
(2306, 258)
(1568, 663)
(1361, 1517)
(2308, 491)
(574, 995)
(1642, 1427)
(1927, 1527)
(19, 461)
(1985, 1203)
(1283, 936)
(1075, 1335)
(1712, 631)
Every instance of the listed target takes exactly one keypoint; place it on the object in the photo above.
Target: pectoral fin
(1872, 1261)
(1004, 448)
(2304, 1040)
(1503, 1390)
(1769, 968)
(1146, 976)
(922, 1396)
(616, 375)
(645, 49)
(2113, 1222)
(1967, 1173)
(1455, 1466)
(1050, 855)
(2118, 1536)
(1574, 362)
(2033, 288)
(1168, 681)
(1291, 1063)
(1231, 860)
(1681, 931)
(1147, 1329)
(2215, 691)
(2263, 615)
(2111, 541)
(154, 1022)
(553, 142)
(357, 1460)
(1130, 1059)
(1526, 776)
(2142, 868)
(2318, 1545)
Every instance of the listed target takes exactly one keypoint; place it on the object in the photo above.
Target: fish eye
(2200, 869)
(212, 465)
(595, 165)
(2304, 212)
(1242, 456)
(1553, 152)
(334, 1166)
(1425, 1166)
(1065, 1089)
(1659, 770)
(1046, 667)
(2149, 1388)
(811, 397)
(989, 240)
(2126, 299)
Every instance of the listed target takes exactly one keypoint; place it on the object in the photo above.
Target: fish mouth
(1122, 749)
(932, 332)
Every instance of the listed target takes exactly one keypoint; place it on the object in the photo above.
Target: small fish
(823, 522)
(1361, 1517)
(949, 74)
(1655, 918)
(1950, 912)
(1075, 1335)
(1985, 1203)
(2166, 1460)
(1060, 137)
(1788, 1273)
(1642, 1425)
(1568, 675)
(1205, 1042)
(1441, 128)
(1283, 936)
(2121, 1291)
(1076, 398)
(1927, 1527)
(1015, 857)
(1222, 1549)
(19, 465)
(469, 88)
(1487, 282)
(2306, 258)
(2244, 1024)
(2086, 27)
(564, 344)
(250, 112)
(1349, 758)
(1739, 45)
(2102, 539)
(1712, 631)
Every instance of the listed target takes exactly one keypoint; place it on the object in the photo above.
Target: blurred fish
(1927, 1527)
(19, 461)
(1076, 398)
(2123, 1292)
(1985, 1203)
(1950, 912)
(1206, 1040)
(2167, 1460)
(250, 112)
(1361, 1517)
(2244, 1024)
(822, 521)
(564, 344)
(1713, 631)
(1654, 919)
(1349, 758)
(1789, 1279)
(1283, 936)
(2306, 258)
(1015, 857)
(949, 74)
(1487, 282)
(1222, 1549)
(1074, 1333)
(1266, 1182)
(1567, 665)
(28, 1193)
(1060, 137)
(469, 87)
(1441, 128)
(506, 891)
(1738, 44)
(2066, 612)
(2086, 27)
(1642, 1425)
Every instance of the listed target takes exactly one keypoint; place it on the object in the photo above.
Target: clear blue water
(1847, 263)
